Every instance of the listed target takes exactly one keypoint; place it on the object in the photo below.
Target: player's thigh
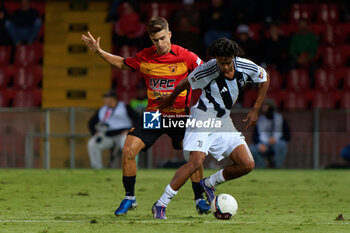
(241, 155)
(196, 159)
(196, 141)
(147, 136)
(133, 145)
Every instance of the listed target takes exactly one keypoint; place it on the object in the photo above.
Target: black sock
(198, 191)
(129, 185)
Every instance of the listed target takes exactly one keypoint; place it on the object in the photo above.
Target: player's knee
(128, 153)
(248, 166)
(196, 161)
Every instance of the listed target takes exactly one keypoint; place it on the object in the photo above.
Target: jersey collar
(171, 51)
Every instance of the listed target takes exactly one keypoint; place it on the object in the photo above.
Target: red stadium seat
(275, 80)
(300, 11)
(317, 28)
(4, 99)
(5, 77)
(295, 100)
(345, 29)
(126, 51)
(333, 57)
(324, 99)
(28, 55)
(39, 6)
(345, 49)
(249, 97)
(255, 31)
(345, 100)
(332, 35)
(126, 79)
(24, 99)
(11, 6)
(346, 80)
(288, 30)
(328, 13)
(277, 96)
(5, 55)
(298, 80)
(325, 80)
(41, 33)
(126, 95)
(162, 9)
(27, 78)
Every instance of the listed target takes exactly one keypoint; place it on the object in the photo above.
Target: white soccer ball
(224, 206)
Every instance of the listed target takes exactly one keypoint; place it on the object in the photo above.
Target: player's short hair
(224, 47)
(156, 24)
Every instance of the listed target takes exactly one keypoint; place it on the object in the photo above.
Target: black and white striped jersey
(219, 93)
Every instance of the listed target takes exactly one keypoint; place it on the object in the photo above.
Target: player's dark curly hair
(224, 47)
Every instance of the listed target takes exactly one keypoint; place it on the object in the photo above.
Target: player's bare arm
(168, 100)
(94, 46)
(252, 116)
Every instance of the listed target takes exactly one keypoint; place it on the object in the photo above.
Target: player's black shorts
(149, 136)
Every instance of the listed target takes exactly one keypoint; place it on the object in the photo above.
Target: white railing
(317, 136)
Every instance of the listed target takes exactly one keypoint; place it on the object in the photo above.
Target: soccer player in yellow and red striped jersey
(163, 72)
(163, 66)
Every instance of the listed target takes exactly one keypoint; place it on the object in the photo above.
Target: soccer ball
(224, 206)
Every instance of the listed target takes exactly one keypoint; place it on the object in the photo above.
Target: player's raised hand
(252, 118)
(165, 100)
(90, 41)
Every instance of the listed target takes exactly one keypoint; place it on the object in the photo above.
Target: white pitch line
(165, 222)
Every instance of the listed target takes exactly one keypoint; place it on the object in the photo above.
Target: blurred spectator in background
(303, 49)
(24, 24)
(186, 27)
(270, 137)
(244, 12)
(129, 29)
(139, 103)
(109, 127)
(113, 10)
(4, 38)
(272, 10)
(246, 43)
(345, 10)
(216, 22)
(345, 154)
(275, 49)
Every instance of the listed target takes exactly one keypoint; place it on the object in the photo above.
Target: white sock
(215, 179)
(130, 197)
(198, 200)
(168, 194)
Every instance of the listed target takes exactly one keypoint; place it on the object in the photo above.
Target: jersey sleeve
(260, 76)
(198, 78)
(193, 61)
(134, 62)
(255, 72)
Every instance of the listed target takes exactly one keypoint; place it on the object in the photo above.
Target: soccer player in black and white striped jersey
(221, 80)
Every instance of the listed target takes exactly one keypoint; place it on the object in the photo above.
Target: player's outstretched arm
(253, 114)
(168, 100)
(94, 46)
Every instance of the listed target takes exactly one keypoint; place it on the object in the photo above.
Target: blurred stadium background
(50, 88)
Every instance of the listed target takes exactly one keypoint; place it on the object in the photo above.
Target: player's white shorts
(218, 142)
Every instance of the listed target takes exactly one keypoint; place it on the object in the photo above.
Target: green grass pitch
(85, 200)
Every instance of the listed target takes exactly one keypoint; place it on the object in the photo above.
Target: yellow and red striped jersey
(163, 72)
